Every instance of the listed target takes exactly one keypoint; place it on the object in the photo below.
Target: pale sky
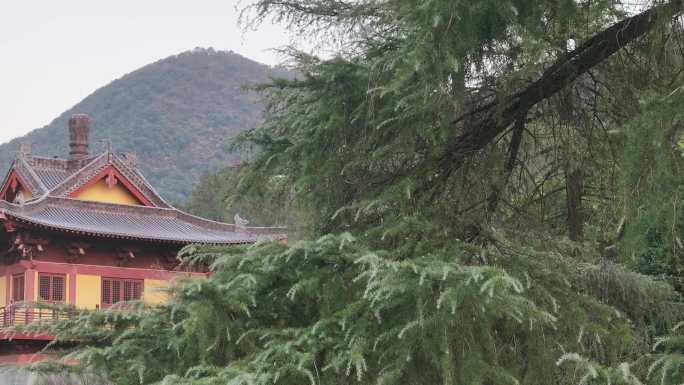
(55, 53)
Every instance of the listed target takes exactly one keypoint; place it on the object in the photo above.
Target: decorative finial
(240, 222)
(108, 148)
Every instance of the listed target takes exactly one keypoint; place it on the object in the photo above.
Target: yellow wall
(88, 291)
(154, 291)
(100, 192)
(3, 291)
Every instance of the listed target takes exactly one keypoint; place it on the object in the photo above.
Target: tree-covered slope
(177, 114)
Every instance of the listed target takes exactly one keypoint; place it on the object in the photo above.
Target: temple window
(115, 290)
(52, 287)
(18, 288)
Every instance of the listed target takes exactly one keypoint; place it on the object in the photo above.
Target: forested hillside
(177, 114)
(493, 193)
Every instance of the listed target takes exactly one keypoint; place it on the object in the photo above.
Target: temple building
(91, 232)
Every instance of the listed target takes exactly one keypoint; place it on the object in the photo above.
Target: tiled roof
(93, 166)
(50, 172)
(52, 181)
(34, 184)
(51, 178)
(131, 222)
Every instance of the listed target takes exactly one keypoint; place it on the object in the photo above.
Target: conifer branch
(484, 125)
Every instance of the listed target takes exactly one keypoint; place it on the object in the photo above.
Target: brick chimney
(24, 150)
(79, 130)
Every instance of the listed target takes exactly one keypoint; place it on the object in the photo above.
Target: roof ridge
(40, 157)
(100, 162)
(8, 173)
(77, 172)
(34, 175)
(250, 229)
(24, 171)
(34, 204)
(124, 166)
(45, 163)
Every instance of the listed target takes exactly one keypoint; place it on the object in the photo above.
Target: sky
(55, 53)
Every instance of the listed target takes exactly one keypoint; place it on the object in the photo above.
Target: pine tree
(424, 152)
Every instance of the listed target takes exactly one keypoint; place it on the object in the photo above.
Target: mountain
(177, 114)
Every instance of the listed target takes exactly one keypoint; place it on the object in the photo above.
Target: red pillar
(72, 289)
(30, 285)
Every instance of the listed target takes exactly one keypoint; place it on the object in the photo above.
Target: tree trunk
(574, 178)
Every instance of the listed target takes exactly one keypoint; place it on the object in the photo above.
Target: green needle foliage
(664, 366)
(424, 267)
(653, 188)
(332, 311)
